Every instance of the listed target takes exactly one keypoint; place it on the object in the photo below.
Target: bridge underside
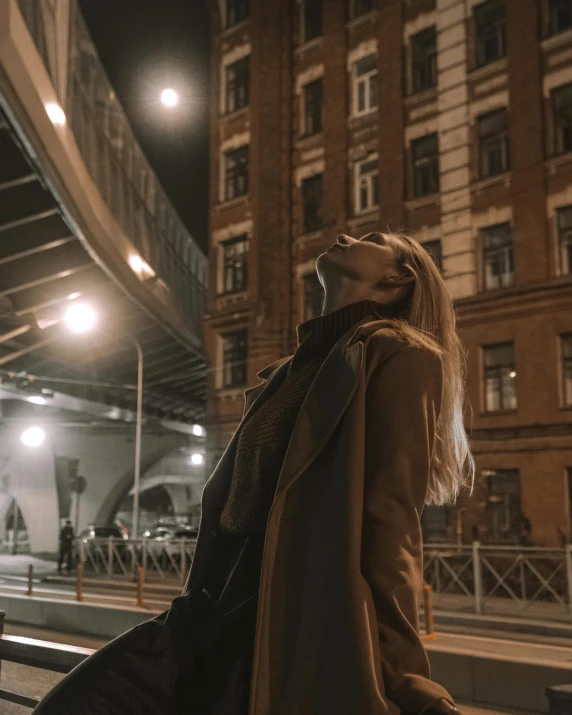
(45, 264)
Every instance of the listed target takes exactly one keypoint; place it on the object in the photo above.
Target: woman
(303, 593)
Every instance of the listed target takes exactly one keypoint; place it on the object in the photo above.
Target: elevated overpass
(84, 218)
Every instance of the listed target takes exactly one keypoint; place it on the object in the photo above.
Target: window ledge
(480, 184)
(309, 236)
(496, 413)
(236, 113)
(412, 204)
(369, 113)
(370, 16)
(421, 97)
(491, 68)
(558, 40)
(222, 205)
(232, 296)
(316, 42)
(364, 217)
(235, 28)
(311, 139)
(558, 160)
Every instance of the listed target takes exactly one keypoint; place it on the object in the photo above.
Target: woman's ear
(392, 279)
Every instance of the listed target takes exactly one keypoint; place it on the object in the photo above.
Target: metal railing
(117, 558)
(116, 162)
(54, 657)
(507, 580)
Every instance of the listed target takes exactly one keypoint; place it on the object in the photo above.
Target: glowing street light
(80, 317)
(33, 437)
(169, 98)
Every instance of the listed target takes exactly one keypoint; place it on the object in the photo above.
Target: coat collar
(323, 407)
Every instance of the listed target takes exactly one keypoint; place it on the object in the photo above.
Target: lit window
(499, 377)
(236, 173)
(493, 143)
(425, 157)
(234, 359)
(562, 113)
(237, 84)
(498, 260)
(365, 84)
(490, 31)
(233, 267)
(367, 184)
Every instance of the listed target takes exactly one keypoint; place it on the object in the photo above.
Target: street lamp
(169, 98)
(81, 317)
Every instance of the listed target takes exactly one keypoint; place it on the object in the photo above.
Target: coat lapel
(324, 405)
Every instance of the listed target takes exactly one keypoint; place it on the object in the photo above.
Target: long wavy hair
(427, 317)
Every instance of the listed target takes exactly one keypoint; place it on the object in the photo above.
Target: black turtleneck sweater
(264, 437)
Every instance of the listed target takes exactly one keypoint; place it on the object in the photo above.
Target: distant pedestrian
(66, 546)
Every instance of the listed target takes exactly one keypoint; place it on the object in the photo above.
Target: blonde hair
(427, 317)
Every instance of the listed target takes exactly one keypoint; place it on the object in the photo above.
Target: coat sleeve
(403, 400)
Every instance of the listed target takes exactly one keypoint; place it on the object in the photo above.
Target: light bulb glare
(197, 458)
(80, 317)
(169, 97)
(56, 114)
(33, 437)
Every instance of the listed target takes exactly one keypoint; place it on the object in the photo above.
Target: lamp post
(81, 318)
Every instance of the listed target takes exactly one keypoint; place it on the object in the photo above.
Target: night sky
(145, 46)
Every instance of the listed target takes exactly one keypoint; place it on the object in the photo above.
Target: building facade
(447, 119)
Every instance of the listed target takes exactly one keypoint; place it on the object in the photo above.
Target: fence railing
(54, 657)
(116, 558)
(517, 580)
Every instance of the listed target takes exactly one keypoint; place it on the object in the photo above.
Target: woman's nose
(342, 238)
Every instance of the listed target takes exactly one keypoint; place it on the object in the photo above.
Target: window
(424, 60)
(503, 509)
(566, 350)
(365, 84)
(367, 184)
(560, 15)
(490, 29)
(312, 19)
(236, 11)
(237, 84)
(234, 265)
(234, 359)
(433, 248)
(500, 374)
(562, 113)
(312, 202)
(425, 154)
(498, 261)
(434, 523)
(564, 218)
(313, 94)
(236, 173)
(313, 296)
(361, 7)
(493, 143)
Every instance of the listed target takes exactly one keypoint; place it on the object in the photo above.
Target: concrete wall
(104, 460)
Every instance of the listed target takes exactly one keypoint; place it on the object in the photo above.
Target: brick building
(451, 120)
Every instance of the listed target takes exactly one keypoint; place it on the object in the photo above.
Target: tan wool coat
(337, 623)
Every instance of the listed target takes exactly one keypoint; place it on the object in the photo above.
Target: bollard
(29, 592)
(79, 583)
(428, 607)
(140, 581)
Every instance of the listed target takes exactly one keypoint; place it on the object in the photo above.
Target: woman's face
(364, 260)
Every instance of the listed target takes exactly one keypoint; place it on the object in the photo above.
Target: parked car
(93, 538)
(160, 539)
